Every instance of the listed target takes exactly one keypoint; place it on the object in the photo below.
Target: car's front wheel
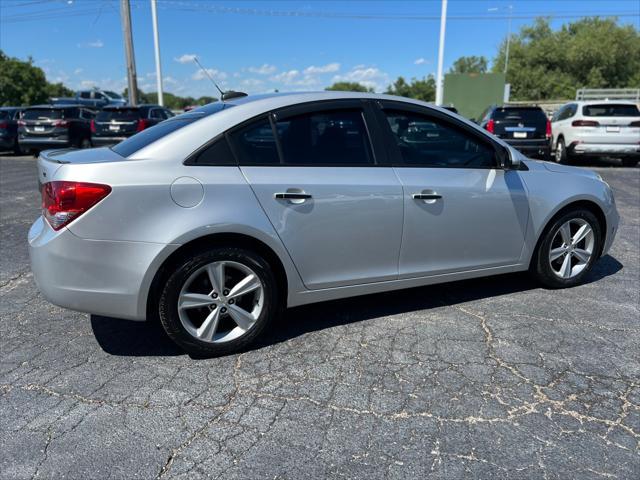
(567, 249)
(219, 301)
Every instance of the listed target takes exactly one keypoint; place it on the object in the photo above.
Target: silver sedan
(217, 219)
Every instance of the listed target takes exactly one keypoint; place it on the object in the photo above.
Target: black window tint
(525, 115)
(148, 136)
(5, 115)
(218, 153)
(428, 142)
(610, 110)
(42, 114)
(119, 115)
(325, 138)
(255, 144)
(156, 114)
(85, 94)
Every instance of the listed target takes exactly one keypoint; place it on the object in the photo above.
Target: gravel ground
(487, 378)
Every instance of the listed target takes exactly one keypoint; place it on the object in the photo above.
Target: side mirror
(507, 160)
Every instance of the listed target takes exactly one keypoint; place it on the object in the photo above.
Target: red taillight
(63, 202)
(93, 126)
(142, 124)
(635, 124)
(4, 125)
(585, 123)
(548, 132)
(491, 126)
(61, 123)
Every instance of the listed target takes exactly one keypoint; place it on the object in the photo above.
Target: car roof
(49, 106)
(601, 102)
(131, 107)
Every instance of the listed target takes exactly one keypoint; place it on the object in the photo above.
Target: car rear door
(461, 211)
(315, 173)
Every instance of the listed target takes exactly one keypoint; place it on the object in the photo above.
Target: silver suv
(218, 218)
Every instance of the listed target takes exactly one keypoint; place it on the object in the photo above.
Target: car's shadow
(130, 338)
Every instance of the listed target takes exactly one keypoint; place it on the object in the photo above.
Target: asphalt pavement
(490, 378)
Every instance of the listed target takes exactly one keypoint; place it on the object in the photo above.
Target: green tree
(470, 64)
(589, 53)
(420, 89)
(349, 87)
(21, 83)
(58, 90)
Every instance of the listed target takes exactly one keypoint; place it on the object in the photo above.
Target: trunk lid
(614, 123)
(50, 161)
(117, 122)
(520, 123)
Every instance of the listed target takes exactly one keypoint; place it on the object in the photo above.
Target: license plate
(613, 129)
(39, 129)
(114, 128)
(519, 134)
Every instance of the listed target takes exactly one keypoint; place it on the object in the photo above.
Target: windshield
(150, 135)
(42, 114)
(610, 110)
(119, 115)
(111, 94)
(525, 115)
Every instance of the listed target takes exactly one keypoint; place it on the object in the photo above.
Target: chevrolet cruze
(217, 219)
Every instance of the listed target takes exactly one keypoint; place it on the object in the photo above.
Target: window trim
(191, 159)
(501, 155)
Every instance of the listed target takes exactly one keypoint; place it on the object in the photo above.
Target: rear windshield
(146, 137)
(42, 114)
(610, 110)
(4, 114)
(525, 115)
(119, 115)
(111, 94)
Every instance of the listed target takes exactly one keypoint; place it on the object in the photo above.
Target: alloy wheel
(571, 248)
(221, 301)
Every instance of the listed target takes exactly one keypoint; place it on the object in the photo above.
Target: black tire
(629, 162)
(540, 265)
(562, 155)
(168, 302)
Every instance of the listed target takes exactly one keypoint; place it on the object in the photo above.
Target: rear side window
(255, 144)
(428, 142)
(523, 115)
(118, 115)
(42, 114)
(325, 138)
(216, 154)
(610, 110)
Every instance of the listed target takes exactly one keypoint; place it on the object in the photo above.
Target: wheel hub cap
(571, 248)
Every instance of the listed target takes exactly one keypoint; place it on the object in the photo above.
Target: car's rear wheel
(219, 301)
(629, 162)
(561, 152)
(568, 249)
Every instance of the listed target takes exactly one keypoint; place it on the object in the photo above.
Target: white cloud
(186, 58)
(88, 84)
(371, 77)
(420, 61)
(78, 71)
(252, 82)
(286, 77)
(265, 69)
(216, 74)
(95, 44)
(328, 68)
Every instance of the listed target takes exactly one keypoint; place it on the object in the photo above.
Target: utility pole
(506, 60)
(125, 13)
(156, 41)
(439, 79)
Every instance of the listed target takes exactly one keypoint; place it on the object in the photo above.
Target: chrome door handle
(292, 196)
(426, 196)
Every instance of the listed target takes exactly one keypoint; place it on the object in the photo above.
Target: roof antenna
(223, 95)
(195, 59)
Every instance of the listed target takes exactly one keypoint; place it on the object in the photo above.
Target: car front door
(461, 211)
(315, 173)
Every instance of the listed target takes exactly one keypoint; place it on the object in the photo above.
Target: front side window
(85, 94)
(325, 138)
(156, 114)
(428, 142)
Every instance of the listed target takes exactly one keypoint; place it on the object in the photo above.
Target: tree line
(543, 64)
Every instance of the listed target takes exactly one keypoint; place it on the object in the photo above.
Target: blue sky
(259, 46)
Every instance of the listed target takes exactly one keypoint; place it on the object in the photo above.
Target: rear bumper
(100, 277)
(43, 143)
(106, 141)
(7, 142)
(600, 149)
(538, 147)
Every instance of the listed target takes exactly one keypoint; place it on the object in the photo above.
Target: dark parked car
(9, 117)
(114, 124)
(526, 128)
(54, 126)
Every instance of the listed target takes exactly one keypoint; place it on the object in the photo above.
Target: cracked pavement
(489, 378)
